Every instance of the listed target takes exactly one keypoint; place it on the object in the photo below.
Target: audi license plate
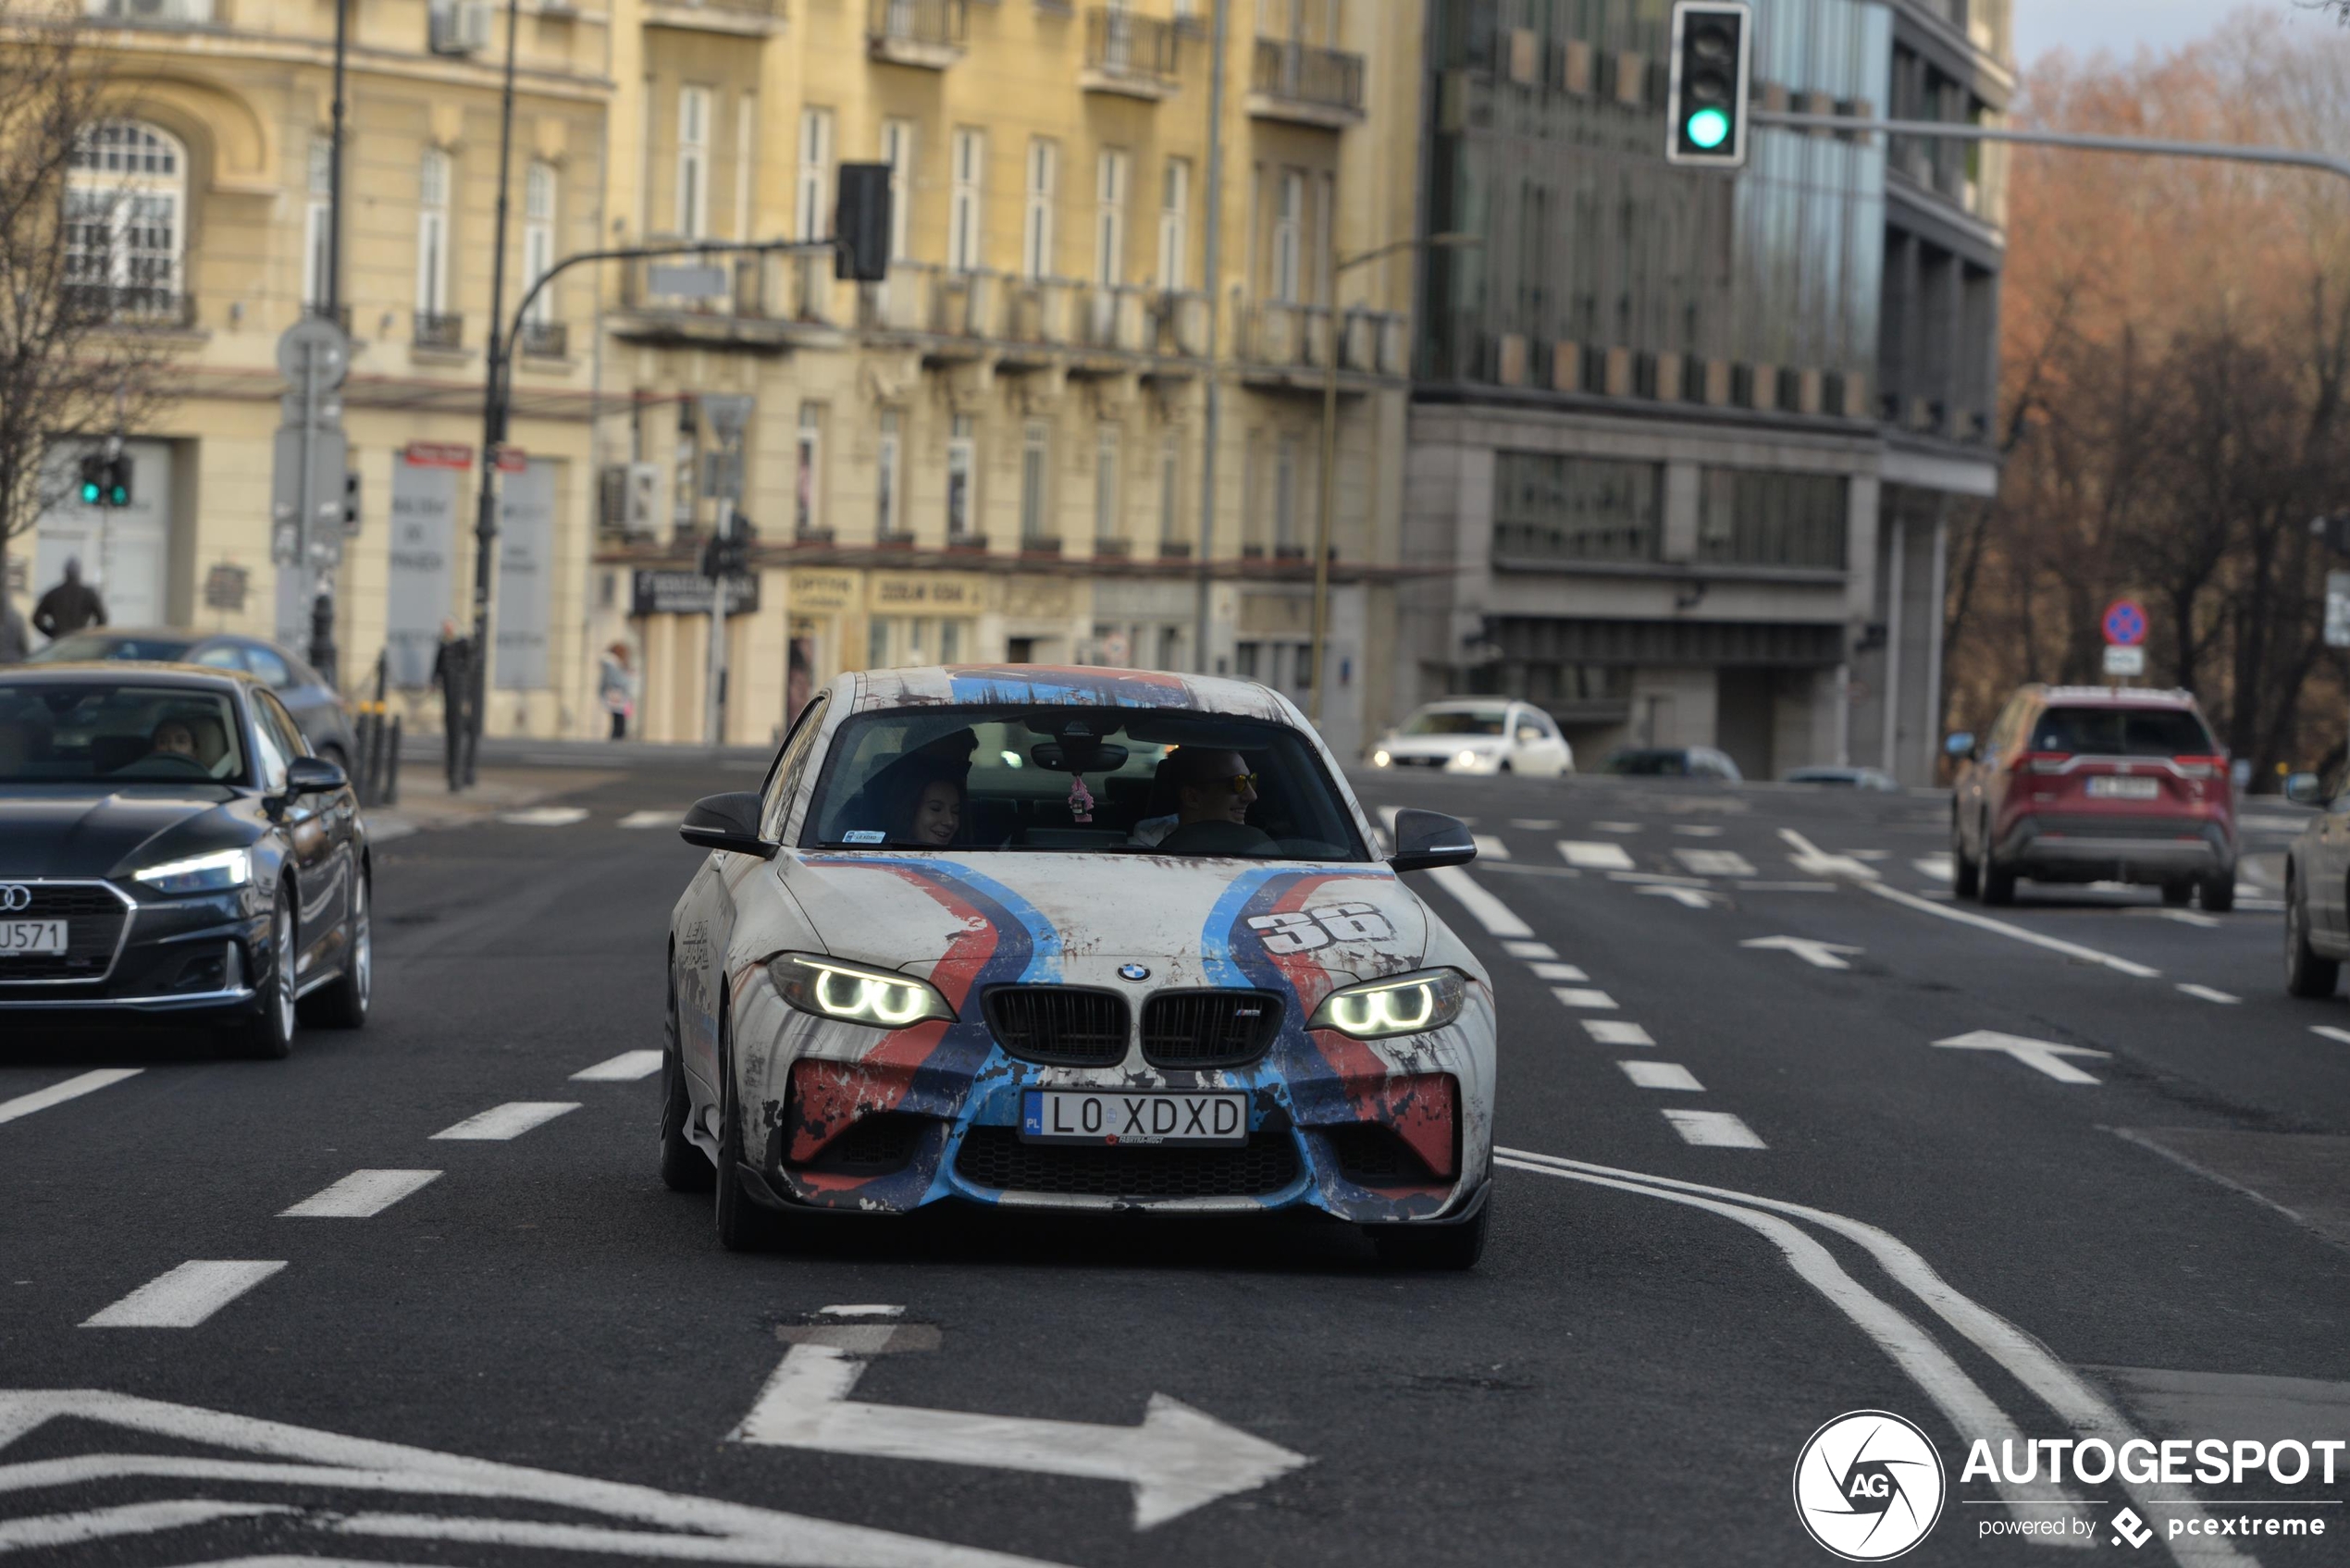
(1109, 1117)
(2124, 790)
(31, 936)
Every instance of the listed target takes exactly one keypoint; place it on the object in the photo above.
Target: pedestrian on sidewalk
(69, 606)
(453, 671)
(617, 689)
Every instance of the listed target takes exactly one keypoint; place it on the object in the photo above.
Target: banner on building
(424, 537)
(526, 577)
(654, 592)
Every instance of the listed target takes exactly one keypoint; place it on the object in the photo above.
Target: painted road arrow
(1176, 1460)
(1819, 955)
(1814, 861)
(2044, 1055)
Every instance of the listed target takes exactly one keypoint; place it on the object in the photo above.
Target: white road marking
(1557, 972)
(627, 1066)
(1715, 862)
(1789, 886)
(1486, 909)
(1488, 848)
(544, 817)
(1178, 1459)
(1535, 824)
(1713, 1129)
(2184, 917)
(862, 1311)
(2046, 1055)
(359, 1195)
(1985, 923)
(1661, 879)
(1698, 830)
(510, 1120)
(1616, 1032)
(1594, 855)
(2342, 1035)
(1660, 1075)
(2206, 994)
(1617, 827)
(1520, 869)
(1688, 898)
(1936, 867)
(670, 1527)
(1870, 854)
(58, 1093)
(652, 819)
(185, 1296)
(1819, 955)
(2273, 825)
(1529, 949)
(1573, 996)
(1814, 861)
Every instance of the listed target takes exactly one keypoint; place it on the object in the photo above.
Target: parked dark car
(1671, 762)
(167, 849)
(316, 706)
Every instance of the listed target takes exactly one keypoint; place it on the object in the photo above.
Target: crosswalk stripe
(627, 1066)
(1716, 1130)
(1595, 855)
(185, 1296)
(1715, 862)
(58, 1093)
(652, 819)
(361, 1195)
(1488, 848)
(544, 817)
(510, 1120)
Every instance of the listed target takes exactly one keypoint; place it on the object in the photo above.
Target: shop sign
(938, 591)
(819, 590)
(654, 592)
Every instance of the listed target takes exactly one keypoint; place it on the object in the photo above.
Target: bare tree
(76, 360)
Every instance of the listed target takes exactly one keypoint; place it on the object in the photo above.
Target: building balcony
(1304, 85)
(158, 13)
(1112, 320)
(753, 19)
(444, 330)
(1132, 56)
(546, 339)
(139, 307)
(1037, 312)
(1292, 343)
(926, 35)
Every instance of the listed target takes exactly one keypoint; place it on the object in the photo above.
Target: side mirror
(2302, 788)
(727, 821)
(1425, 840)
(1959, 744)
(314, 775)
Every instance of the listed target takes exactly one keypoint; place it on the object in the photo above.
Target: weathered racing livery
(818, 1114)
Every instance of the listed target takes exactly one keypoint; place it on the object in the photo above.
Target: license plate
(1107, 1117)
(31, 936)
(2125, 789)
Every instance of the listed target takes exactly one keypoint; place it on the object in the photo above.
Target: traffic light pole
(2289, 157)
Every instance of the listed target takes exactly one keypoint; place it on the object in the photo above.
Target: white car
(1080, 939)
(1478, 734)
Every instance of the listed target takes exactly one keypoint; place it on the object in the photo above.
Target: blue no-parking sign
(2125, 623)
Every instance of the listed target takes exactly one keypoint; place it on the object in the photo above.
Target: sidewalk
(426, 802)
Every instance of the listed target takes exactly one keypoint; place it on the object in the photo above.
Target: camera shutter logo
(1869, 1486)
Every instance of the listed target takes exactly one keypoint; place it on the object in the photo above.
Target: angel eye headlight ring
(844, 993)
(1382, 1010)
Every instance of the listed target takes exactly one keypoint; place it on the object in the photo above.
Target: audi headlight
(854, 994)
(1409, 1004)
(216, 872)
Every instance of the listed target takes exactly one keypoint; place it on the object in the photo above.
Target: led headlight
(854, 994)
(216, 872)
(1380, 758)
(1467, 758)
(1406, 1004)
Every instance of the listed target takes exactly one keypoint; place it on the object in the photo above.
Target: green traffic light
(89, 494)
(1707, 128)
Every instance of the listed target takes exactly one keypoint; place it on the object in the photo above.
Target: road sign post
(309, 458)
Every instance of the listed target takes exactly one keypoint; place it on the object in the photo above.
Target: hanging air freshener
(1081, 799)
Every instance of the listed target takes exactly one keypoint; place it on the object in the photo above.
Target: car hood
(1076, 918)
(47, 831)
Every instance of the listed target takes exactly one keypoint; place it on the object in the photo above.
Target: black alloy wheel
(269, 1034)
(344, 1004)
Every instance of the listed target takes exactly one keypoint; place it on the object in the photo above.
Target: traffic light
(860, 223)
(1705, 105)
(94, 478)
(728, 554)
(351, 505)
(119, 480)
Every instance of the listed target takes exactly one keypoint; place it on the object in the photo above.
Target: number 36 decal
(1305, 930)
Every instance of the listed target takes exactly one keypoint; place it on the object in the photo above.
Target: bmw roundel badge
(1133, 971)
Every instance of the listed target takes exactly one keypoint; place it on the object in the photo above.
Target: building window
(807, 478)
(745, 159)
(1555, 508)
(1037, 234)
(897, 151)
(1170, 489)
(1750, 517)
(693, 162)
(813, 204)
(888, 478)
(1244, 660)
(970, 159)
(1174, 223)
(877, 643)
(317, 232)
(962, 457)
(1110, 220)
(432, 234)
(950, 642)
(1285, 495)
(1034, 477)
(538, 237)
(1290, 204)
(1105, 483)
(125, 197)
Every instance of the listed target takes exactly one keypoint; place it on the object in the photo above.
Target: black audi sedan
(170, 845)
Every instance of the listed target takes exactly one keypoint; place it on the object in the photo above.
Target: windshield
(1456, 722)
(56, 732)
(2122, 732)
(84, 646)
(1084, 779)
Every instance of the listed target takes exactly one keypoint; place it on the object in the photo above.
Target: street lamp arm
(2230, 152)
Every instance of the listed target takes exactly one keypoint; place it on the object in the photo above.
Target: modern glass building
(1685, 443)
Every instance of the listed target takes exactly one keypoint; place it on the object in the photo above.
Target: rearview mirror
(1425, 840)
(1959, 744)
(314, 775)
(728, 822)
(2302, 788)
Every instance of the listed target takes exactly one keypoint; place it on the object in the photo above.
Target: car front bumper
(204, 954)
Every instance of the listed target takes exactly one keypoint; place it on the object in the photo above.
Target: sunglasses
(1242, 782)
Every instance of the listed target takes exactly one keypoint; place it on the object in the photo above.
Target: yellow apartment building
(1000, 452)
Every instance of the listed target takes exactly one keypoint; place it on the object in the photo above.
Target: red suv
(2084, 783)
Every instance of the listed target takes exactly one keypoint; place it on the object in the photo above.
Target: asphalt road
(1864, 1219)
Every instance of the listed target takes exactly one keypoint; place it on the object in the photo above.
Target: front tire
(1432, 1246)
(344, 1004)
(1966, 875)
(2175, 894)
(268, 1036)
(2220, 893)
(2306, 974)
(1998, 884)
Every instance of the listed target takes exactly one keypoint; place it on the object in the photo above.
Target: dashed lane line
(654, 819)
(625, 1067)
(185, 1296)
(2184, 916)
(1617, 827)
(2208, 993)
(1577, 996)
(1535, 824)
(1486, 909)
(1616, 1032)
(2340, 1035)
(1698, 830)
(544, 817)
(510, 1120)
(1557, 972)
(1789, 886)
(2014, 933)
(1688, 898)
(1713, 1129)
(1529, 950)
(1715, 862)
(58, 1093)
(1594, 855)
(361, 1195)
(1662, 1075)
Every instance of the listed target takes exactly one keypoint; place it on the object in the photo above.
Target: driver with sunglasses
(1212, 792)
